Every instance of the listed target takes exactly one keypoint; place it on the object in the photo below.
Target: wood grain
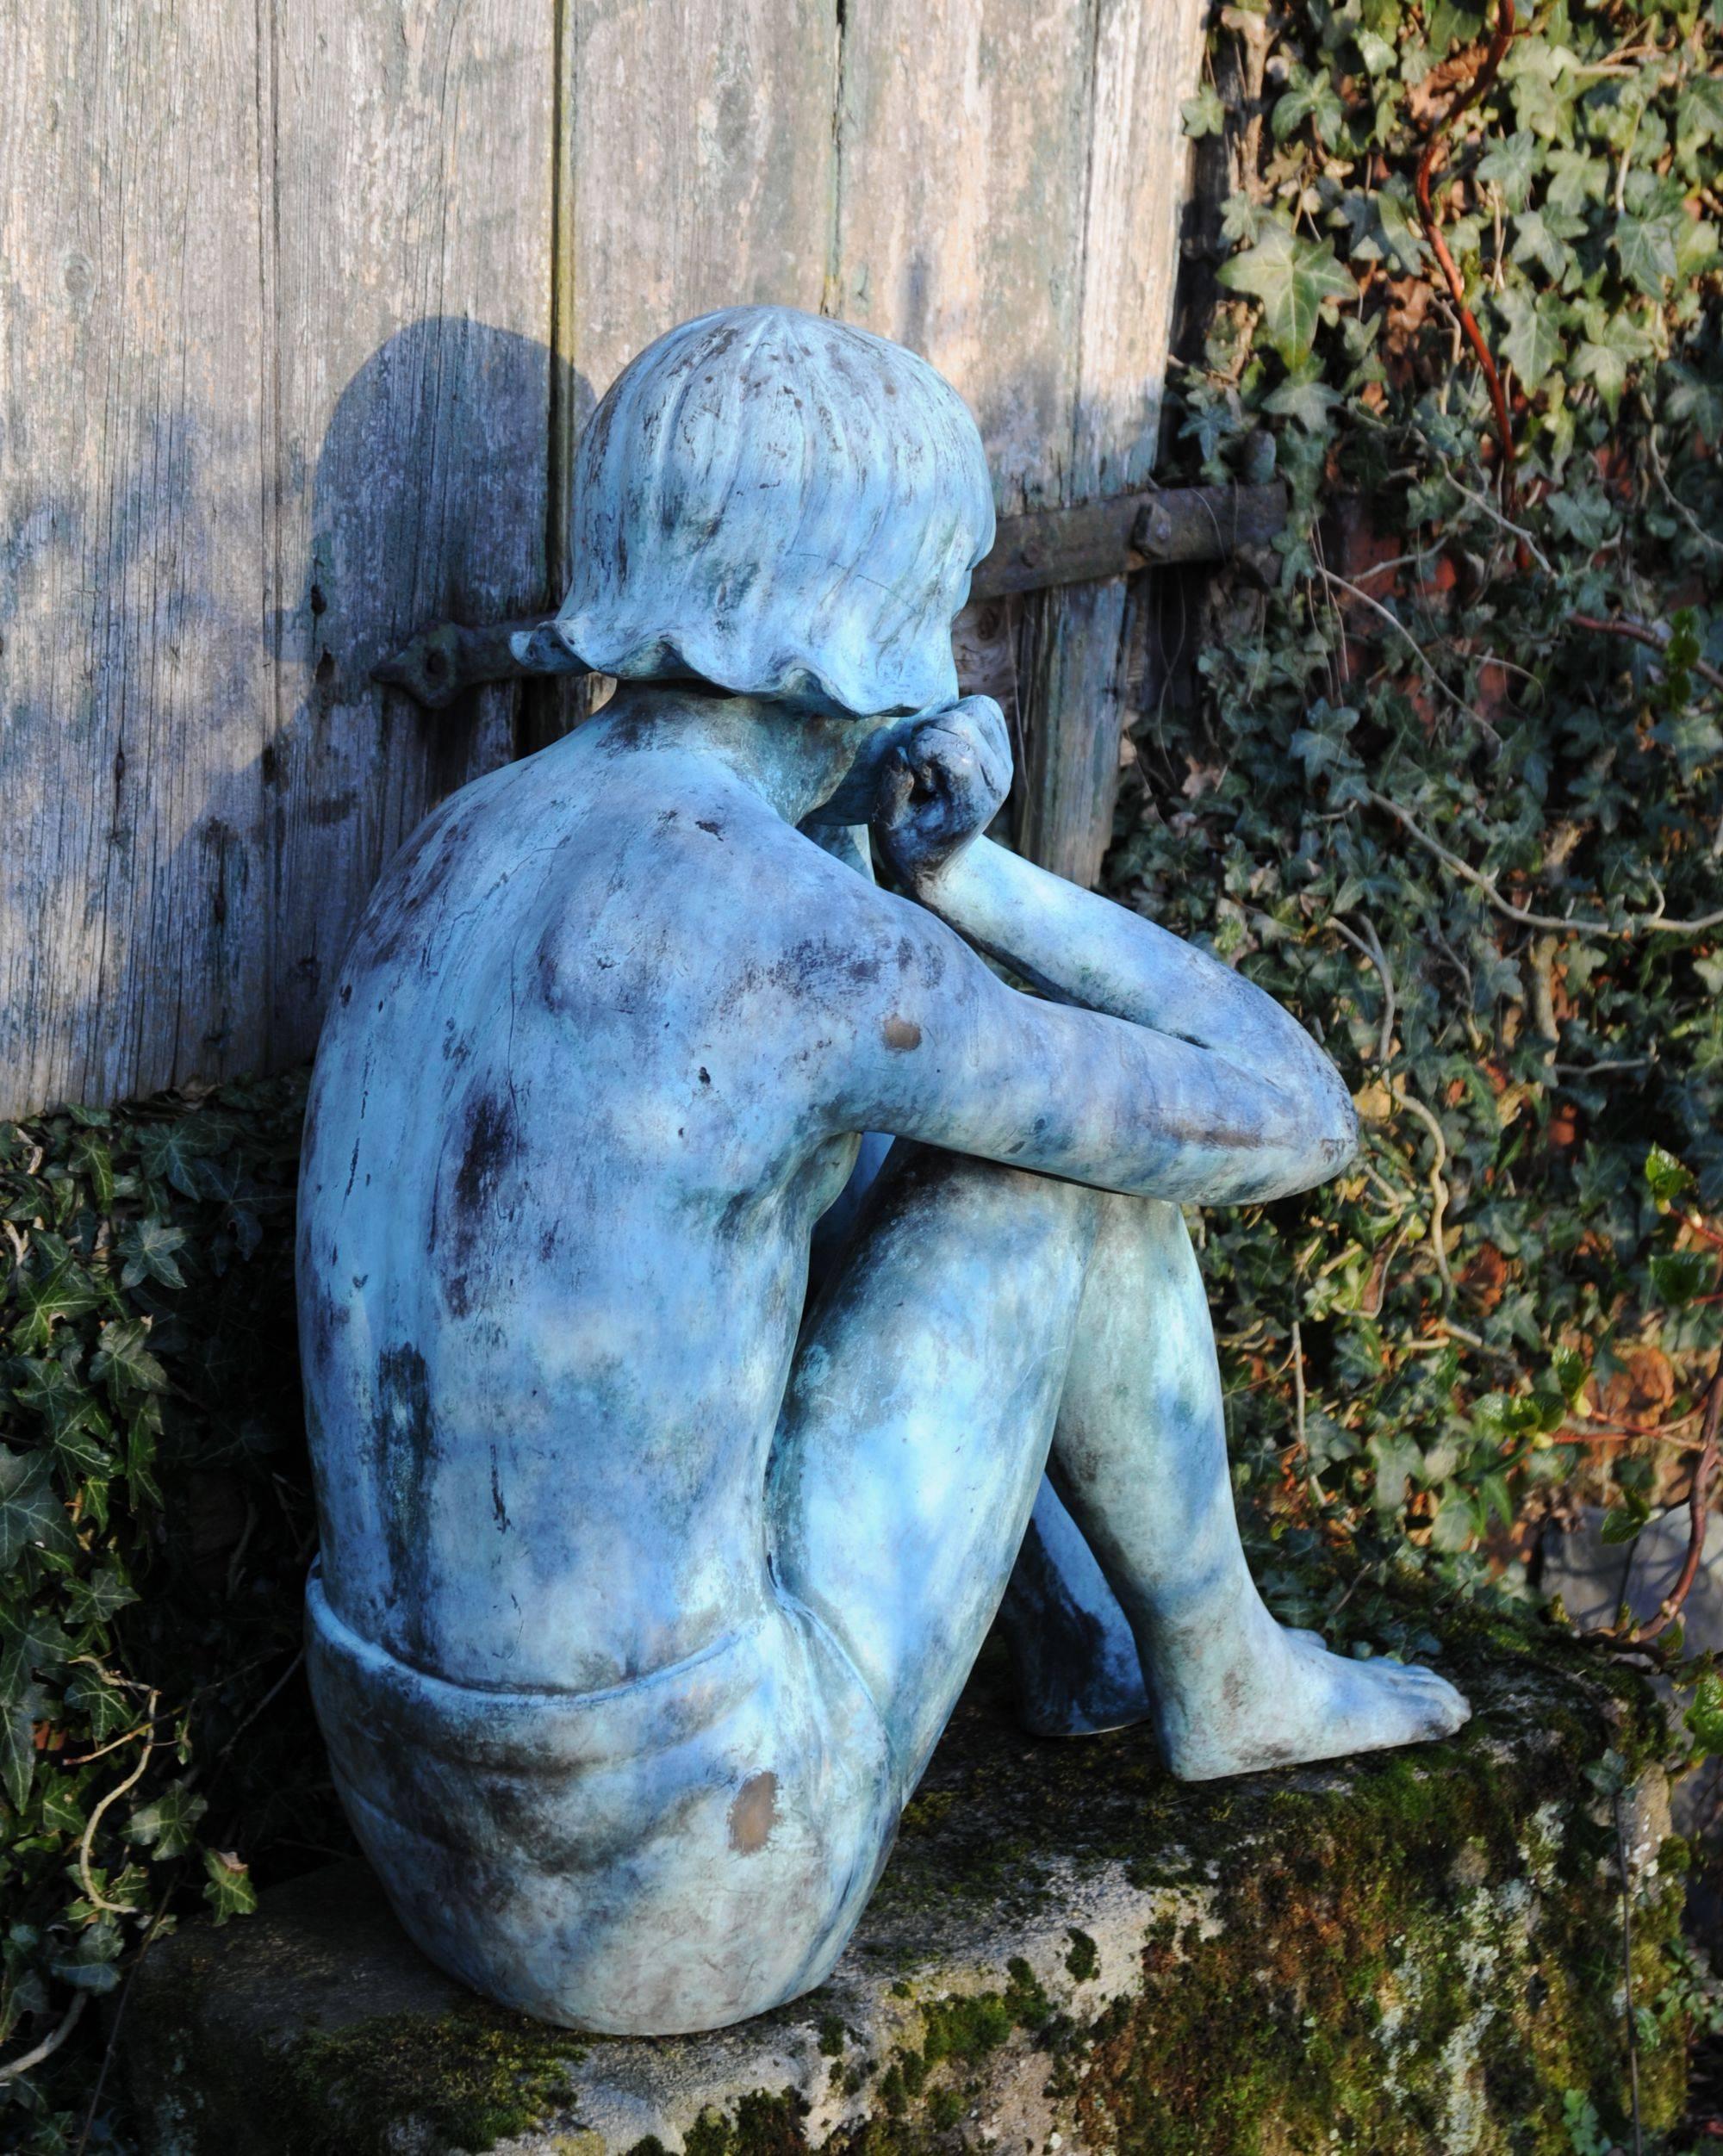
(134, 486)
(301, 310)
(275, 312)
(410, 332)
(698, 141)
(1075, 659)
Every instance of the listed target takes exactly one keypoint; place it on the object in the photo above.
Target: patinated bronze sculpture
(645, 1594)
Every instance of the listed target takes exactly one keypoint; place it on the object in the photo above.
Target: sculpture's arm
(1173, 1078)
(939, 789)
(941, 1050)
(1081, 949)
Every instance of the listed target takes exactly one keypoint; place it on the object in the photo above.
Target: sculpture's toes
(1378, 1703)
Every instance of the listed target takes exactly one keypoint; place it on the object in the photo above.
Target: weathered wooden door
(301, 310)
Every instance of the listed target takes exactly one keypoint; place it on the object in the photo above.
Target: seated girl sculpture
(647, 1586)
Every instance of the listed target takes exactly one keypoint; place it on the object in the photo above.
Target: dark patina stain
(753, 1812)
(492, 1141)
(406, 1442)
(492, 1147)
(901, 1033)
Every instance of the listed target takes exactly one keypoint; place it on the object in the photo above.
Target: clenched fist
(940, 787)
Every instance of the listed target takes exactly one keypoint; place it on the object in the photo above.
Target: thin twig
(1644, 633)
(98, 1899)
(50, 2044)
(1438, 1188)
(1379, 958)
(1704, 1471)
(119, 2015)
(1660, 473)
(1419, 653)
(1484, 502)
(1480, 83)
(1298, 1401)
(1639, 924)
(1627, 1976)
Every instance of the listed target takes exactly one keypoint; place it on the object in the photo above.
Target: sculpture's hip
(674, 1854)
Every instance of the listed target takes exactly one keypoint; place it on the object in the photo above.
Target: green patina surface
(1415, 1953)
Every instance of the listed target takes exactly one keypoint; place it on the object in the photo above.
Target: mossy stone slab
(1419, 1952)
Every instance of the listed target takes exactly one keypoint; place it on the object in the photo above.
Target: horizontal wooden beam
(1083, 545)
(1128, 532)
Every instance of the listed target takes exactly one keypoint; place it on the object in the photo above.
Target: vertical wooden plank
(1146, 54)
(412, 157)
(693, 169)
(134, 490)
(1008, 202)
(958, 220)
(699, 144)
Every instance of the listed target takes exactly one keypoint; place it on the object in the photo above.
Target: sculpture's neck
(798, 760)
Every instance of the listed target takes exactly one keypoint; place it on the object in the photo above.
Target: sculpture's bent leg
(917, 1421)
(1140, 1458)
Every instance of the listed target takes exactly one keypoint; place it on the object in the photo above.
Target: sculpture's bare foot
(1290, 1700)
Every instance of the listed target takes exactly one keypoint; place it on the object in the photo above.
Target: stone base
(1421, 1951)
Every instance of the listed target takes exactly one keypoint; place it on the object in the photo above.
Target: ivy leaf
(1532, 343)
(101, 1597)
(1296, 280)
(1677, 1275)
(1454, 1528)
(147, 1247)
(1704, 1718)
(1312, 97)
(32, 1644)
(1646, 246)
(1543, 87)
(1203, 113)
(1304, 397)
(1541, 236)
(1666, 1178)
(228, 1888)
(54, 1393)
(1511, 165)
(90, 1966)
(122, 1360)
(20, 1712)
(106, 1709)
(1607, 359)
(1576, 177)
(1398, 1461)
(1452, 22)
(167, 1824)
(31, 1514)
(1698, 113)
(1401, 228)
(170, 1152)
(63, 1290)
(1692, 400)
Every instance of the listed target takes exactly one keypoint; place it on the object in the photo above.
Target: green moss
(1416, 1951)
(472, 2076)
(1083, 1960)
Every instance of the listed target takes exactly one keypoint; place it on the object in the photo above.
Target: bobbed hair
(781, 506)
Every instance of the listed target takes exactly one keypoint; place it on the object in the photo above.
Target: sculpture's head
(783, 506)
